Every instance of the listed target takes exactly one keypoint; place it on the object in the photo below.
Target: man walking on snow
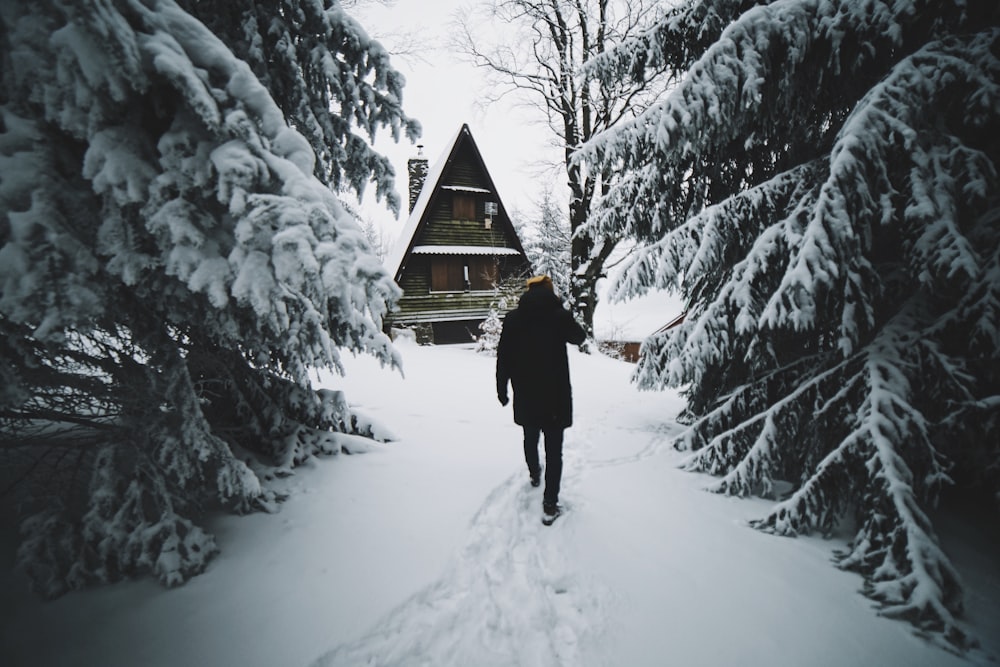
(531, 355)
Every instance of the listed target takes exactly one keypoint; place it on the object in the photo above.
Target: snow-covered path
(513, 596)
(645, 568)
(516, 593)
(430, 551)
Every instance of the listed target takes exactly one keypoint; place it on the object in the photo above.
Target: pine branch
(749, 470)
(895, 547)
(164, 212)
(821, 185)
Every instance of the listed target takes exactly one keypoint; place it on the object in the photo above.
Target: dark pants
(553, 458)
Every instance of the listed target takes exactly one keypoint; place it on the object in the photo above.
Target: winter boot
(550, 512)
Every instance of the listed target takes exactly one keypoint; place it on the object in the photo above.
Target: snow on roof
(463, 250)
(395, 259)
(465, 188)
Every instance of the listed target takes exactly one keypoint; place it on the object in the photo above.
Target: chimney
(416, 167)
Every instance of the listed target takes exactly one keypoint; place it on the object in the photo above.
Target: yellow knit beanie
(541, 281)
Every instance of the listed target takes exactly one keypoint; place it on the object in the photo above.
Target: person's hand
(503, 398)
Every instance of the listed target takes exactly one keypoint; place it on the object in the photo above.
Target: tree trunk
(587, 255)
(587, 269)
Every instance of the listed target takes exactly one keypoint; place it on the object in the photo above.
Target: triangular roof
(432, 186)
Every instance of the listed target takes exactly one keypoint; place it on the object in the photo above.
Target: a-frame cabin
(457, 247)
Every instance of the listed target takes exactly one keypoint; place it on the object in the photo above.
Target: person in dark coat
(531, 355)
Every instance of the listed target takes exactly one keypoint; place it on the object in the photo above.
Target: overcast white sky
(442, 92)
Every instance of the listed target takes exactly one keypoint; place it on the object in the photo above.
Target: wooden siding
(443, 229)
(464, 171)
(448, 225)
(416, 278)
(624, 350)
(420, 304)
(461, 232)
(445, 224)
(444, 306)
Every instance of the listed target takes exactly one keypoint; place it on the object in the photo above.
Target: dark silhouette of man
(531, 355)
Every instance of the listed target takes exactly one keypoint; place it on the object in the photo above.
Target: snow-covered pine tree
(822, 186)
(314, 58)
(170, 270)
(491, 328)
(547, 240)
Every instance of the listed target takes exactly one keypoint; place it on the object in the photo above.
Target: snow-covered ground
(430, 551)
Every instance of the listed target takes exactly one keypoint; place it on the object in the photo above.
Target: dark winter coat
(531, 354)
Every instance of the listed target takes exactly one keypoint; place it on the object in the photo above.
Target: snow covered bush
(491, 327)
(171, 269)
(821, 185)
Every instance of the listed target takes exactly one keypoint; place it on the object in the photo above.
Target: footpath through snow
(645, 568)
(430, 551)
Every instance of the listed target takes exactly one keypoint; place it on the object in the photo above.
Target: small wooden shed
(457, 247)
(628, 349)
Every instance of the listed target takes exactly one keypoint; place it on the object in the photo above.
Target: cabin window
(463, 206)
(448, 274)
(483, 272)
(458, 274)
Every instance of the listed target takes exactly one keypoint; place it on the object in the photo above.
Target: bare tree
(541, 66)
(404, 44)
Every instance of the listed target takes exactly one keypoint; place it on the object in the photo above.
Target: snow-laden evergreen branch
(698, 246)
(755, 443)
(171, 270)
(692, 27)
(910, 574)
(858, 192)
(739, 79)
(329, 77)
(821, 188)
